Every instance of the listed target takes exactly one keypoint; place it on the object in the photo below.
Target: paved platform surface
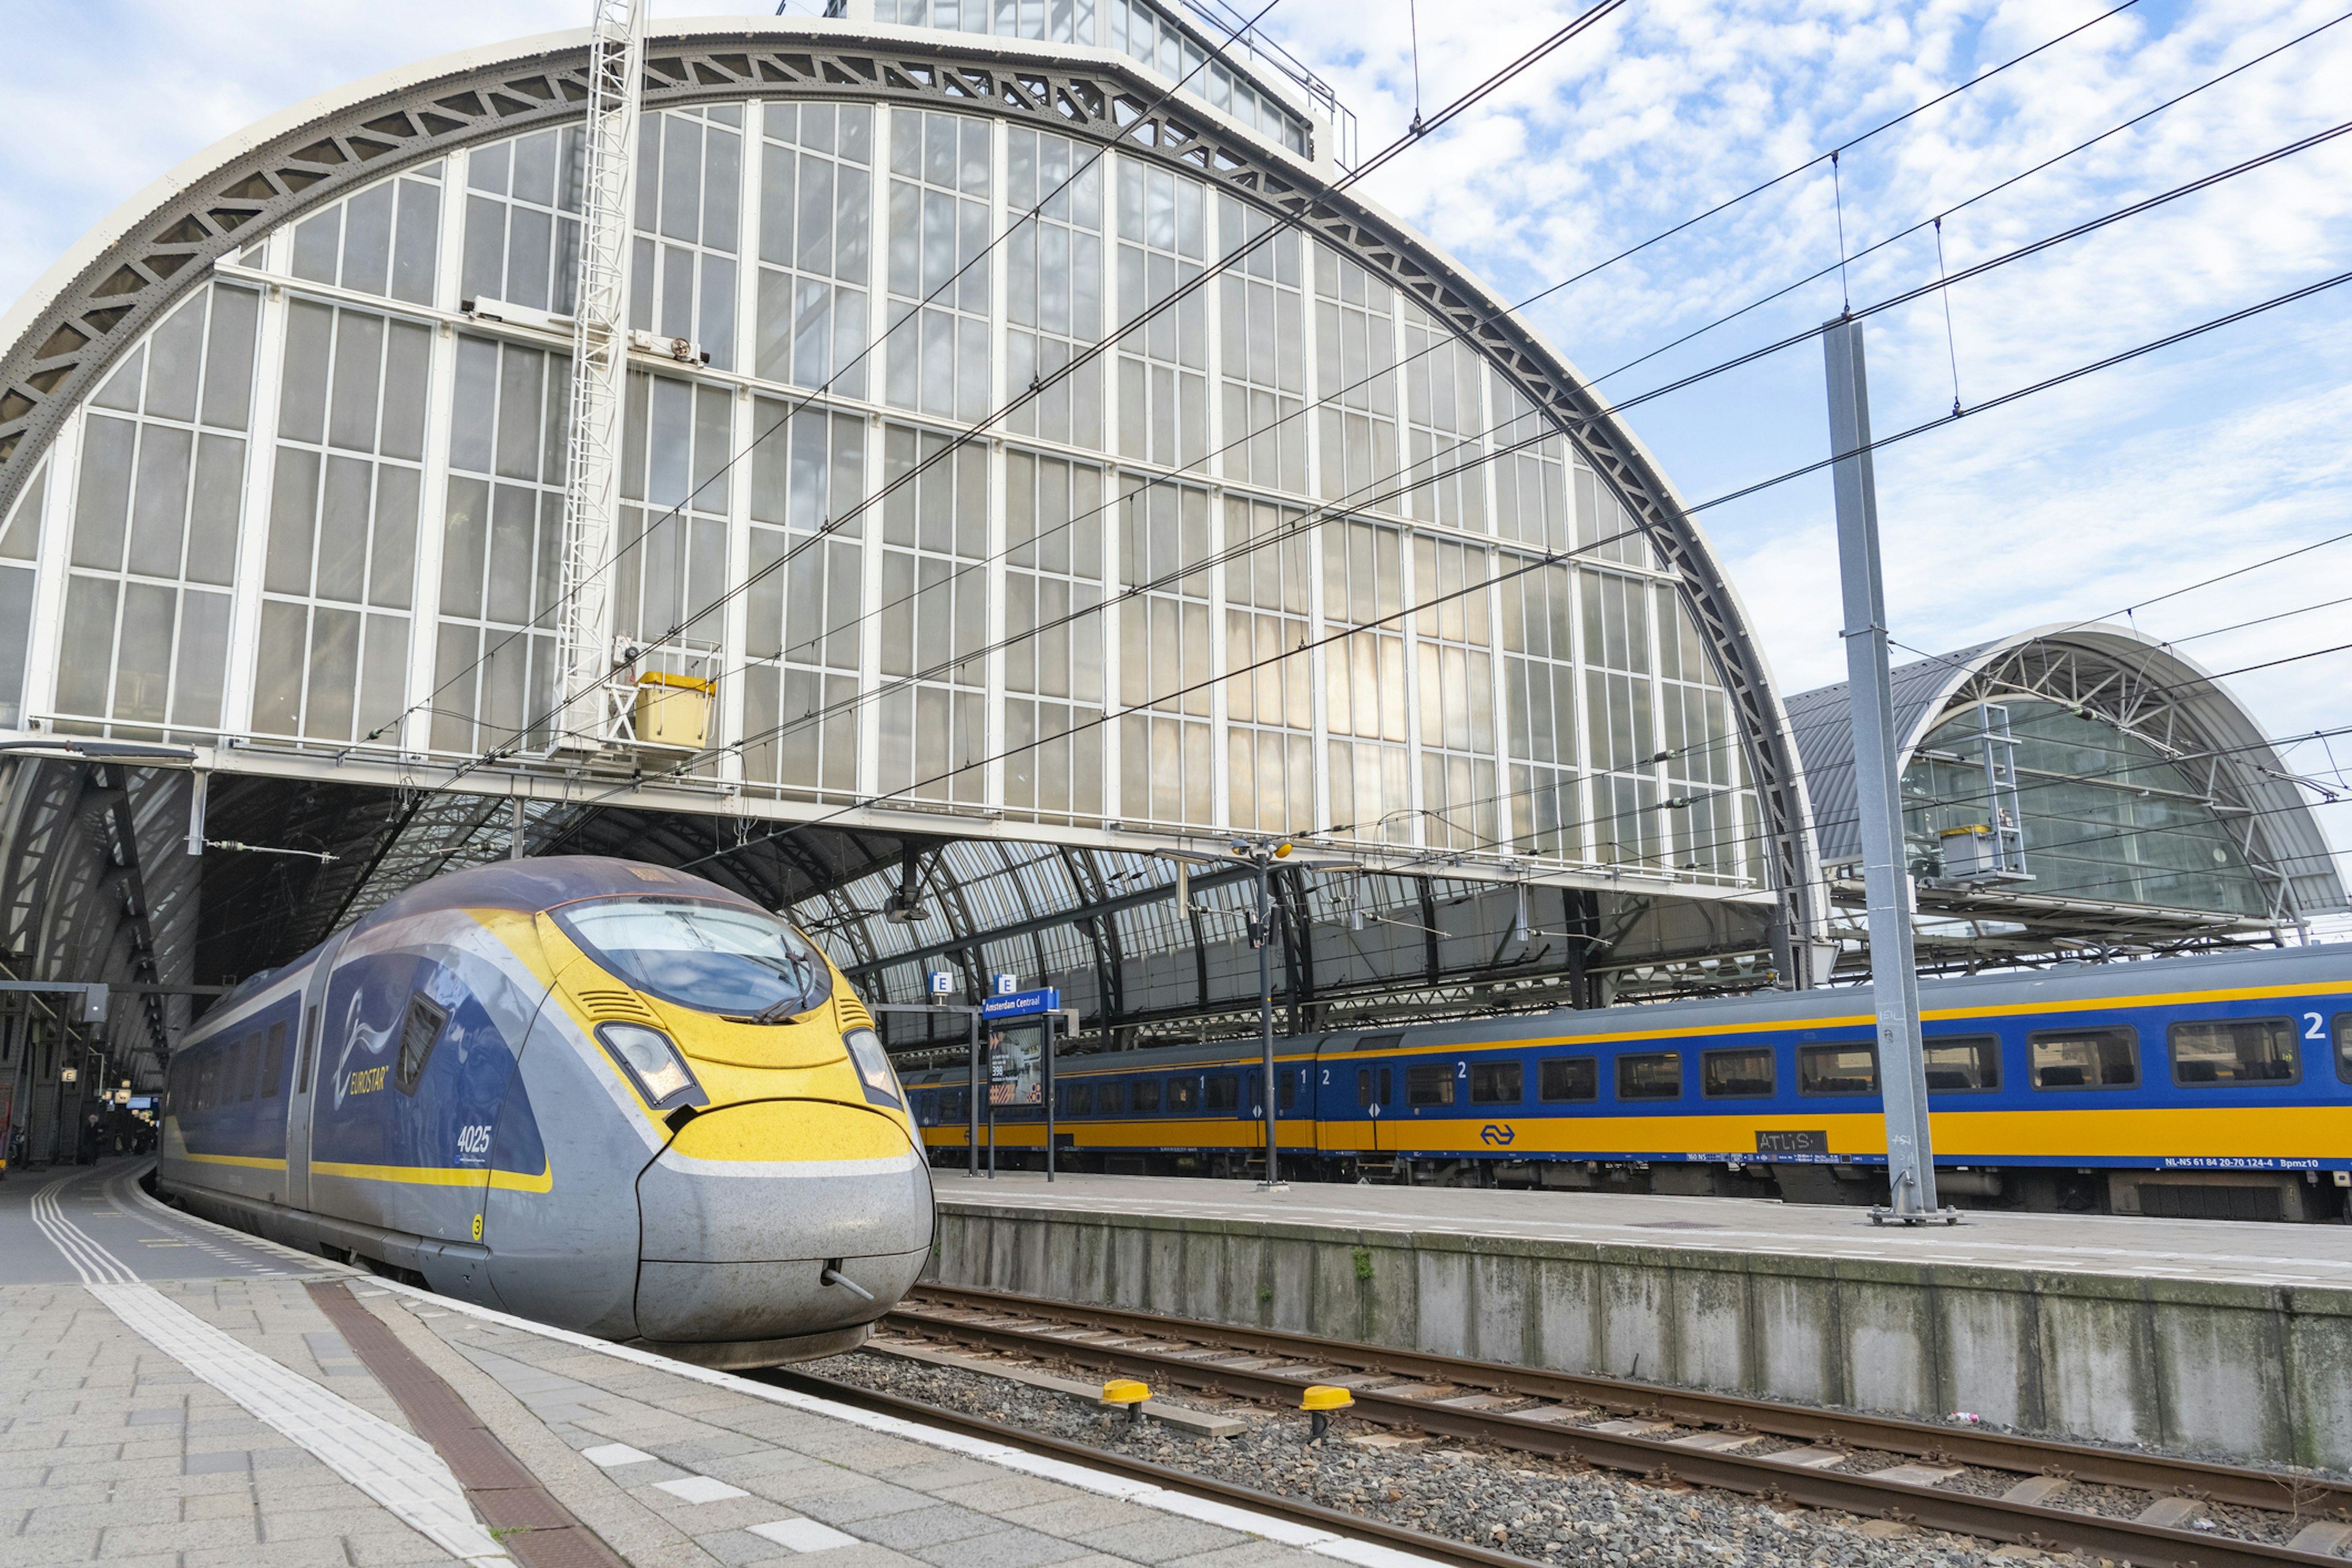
(2235, 1251)
(173, 1394)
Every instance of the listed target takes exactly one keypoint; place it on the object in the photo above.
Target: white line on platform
(398, 1468)
(1308, 1537)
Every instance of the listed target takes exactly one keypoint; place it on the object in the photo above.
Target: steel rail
(1998, 1518)
(1436, 1547)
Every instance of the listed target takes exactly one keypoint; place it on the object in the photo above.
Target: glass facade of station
(1271, 561)
(2108, 816)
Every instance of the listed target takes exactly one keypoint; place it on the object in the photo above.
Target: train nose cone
(742, 1216)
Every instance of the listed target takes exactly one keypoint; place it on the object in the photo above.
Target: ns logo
(1496, 1133)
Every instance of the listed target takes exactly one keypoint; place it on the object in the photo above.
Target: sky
(2109, 493)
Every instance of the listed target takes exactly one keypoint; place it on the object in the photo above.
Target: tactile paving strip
(547, 1534)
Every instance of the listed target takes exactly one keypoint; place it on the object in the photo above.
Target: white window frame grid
(904, 613)
(1164, 396)
(846, 286)
(964, 319)
(1254, 630)
(716, 268)
(1166, 715)
(1069, 410)
(68, 493)
(1030, 556)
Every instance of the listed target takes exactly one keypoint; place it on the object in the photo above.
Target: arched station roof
(390, 818)
(2154, 802)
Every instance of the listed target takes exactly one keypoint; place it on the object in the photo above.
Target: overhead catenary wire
(494, 753)
(1155, 479)
(2045, 384)
(809, 397)
(2021, 253)
(1077, 361)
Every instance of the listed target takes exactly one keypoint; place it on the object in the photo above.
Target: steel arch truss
(69, 346)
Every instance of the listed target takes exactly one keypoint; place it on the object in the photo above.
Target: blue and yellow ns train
(606, 1095)
(2217, 1086)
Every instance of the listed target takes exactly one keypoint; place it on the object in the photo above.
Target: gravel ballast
(1533, 1506)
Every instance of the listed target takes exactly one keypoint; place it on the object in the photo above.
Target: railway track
(2011, 1489)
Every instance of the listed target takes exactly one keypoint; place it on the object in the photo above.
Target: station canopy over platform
(1331, 547)
(2150, 812)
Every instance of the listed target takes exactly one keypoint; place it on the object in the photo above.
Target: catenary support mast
(608, 159)
(1895, 979)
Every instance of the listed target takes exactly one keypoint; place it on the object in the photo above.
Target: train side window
(273, 1070)
(1839, 1069)
(249, 1065)
(309, 1050)
(956, 1105)
(2344, 1046)
(1743, 1073)
(1430, 1083)
(2084, 1059)
(1224, 1093)
(1379, 1042)
(1562, 1078)
(1363, 1088)
(1653, 1074)
(1079, 1099)
(1962, 1064)
(418, 1034)
(1498, 1083)
(1183, 1093)
(1285, 1092)
(1147, 1097)
(2235, 1051)
(1388, 1089)
(1110, 1098)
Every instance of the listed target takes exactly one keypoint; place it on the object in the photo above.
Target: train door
(303, 1089)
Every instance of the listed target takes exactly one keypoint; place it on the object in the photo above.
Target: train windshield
(715, 958)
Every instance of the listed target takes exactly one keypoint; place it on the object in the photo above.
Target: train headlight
(653, 1064)
(875, 1073)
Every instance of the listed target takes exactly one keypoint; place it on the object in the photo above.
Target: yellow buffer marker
(1319, 1401)
(1126, 1393)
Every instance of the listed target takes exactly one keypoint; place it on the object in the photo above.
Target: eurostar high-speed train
(608, 1096)
(2214, 1087)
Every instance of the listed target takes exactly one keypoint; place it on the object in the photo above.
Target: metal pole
(1265, 1013)
(1045, 1044)
(971, 1101)
(1894, 980)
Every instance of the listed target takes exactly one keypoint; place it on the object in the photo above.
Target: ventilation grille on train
(619, 1005)
(853, 1013)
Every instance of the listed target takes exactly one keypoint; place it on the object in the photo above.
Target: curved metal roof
(2134, 681)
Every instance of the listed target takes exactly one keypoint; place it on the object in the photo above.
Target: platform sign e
(942, 982)
(1006, 985)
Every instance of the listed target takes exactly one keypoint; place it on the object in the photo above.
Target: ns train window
(1562, 1078)
(1379, 1042)
(1224, 1093)
(1079, 1099)
(1432, 1083)
(1837, 1069)
(1286, 1091)
(1110, 1098)
(419, 1032)
(1745, 1073)
(1962, 1064)
(2344, 1046)
(712, 957)
(1498, 1083)
(1147, 1097)
(2084, 1059)
(1183, 1094)
(1653, 1075)
(2235, 1051)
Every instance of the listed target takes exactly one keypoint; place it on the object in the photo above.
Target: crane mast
(600, 352)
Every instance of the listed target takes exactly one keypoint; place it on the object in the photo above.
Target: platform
(174, 1394)
(2232, 1340)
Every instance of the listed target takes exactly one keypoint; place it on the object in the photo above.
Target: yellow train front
(604, 1095)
